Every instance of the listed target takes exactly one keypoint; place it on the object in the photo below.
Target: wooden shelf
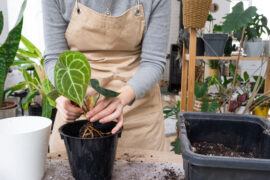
(233, 58)
(188, 71)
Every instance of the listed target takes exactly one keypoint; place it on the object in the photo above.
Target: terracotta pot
(8, 110)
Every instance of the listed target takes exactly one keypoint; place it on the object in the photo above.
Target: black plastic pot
(245, 131)
(214, 44)
(200, 47)
(90, 158)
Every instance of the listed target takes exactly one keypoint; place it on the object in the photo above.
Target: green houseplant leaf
(176, 146)
(8, 51)
(31, 47)
(46, 108)
(72, 75)
(28, 99)
(48, 88)
(1, 22)
(105, 92)
(239, 18)
(201, 90)
(209, 107)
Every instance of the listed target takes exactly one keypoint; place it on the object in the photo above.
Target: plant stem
(236, 67)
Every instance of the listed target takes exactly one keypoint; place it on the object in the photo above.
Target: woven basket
(195, 13)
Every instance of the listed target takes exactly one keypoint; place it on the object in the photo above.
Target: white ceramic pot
(24, 147)
(254, 49)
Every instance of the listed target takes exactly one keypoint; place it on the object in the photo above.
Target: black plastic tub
(90, 158)
(245, 131)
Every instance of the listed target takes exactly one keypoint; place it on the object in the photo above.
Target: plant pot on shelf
(24, 146)
(195, 13)
(247, 134)
(200, 47)
(9, 109)
(214, 44)
(254, 49)
(261, 111)
(90, 158)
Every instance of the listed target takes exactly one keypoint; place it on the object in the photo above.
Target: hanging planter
(195, 13)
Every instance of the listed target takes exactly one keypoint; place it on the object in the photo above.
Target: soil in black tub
(212, 149)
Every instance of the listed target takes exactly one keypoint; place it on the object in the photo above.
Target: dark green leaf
(72, 75)
(1, 22)
(176, 146)
(201, 90)
(238, 18)
(246, 76)
(7, 54)
(209, 107)
(105, 92)
(46, 108)
(28, 99)
(217, 28)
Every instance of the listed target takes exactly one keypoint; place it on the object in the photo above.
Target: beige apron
(113, 48)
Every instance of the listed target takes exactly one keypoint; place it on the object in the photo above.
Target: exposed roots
(88, 131)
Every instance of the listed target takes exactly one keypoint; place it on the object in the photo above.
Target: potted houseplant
(214, 42)
(90, 147)
(36, 81)
(214, 66)
(7, 54)
(254, 46)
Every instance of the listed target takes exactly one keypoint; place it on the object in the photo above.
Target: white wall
(3, 8)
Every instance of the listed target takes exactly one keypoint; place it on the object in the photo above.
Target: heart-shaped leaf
(105, 92)
(71, 76)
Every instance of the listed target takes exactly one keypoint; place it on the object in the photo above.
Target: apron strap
(77, 6)
(137, 13)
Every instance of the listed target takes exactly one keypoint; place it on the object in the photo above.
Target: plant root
(88, 131)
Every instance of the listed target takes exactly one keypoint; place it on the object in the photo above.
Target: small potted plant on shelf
(7, 55)
(91, 147)
(214, 42)
(254, 46)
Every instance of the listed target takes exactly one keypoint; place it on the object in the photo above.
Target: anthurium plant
(72, 77)
(9, 49)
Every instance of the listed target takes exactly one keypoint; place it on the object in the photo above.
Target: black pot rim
(79, 138)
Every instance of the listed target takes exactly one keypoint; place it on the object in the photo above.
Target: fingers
(118, 125)
(101, 105)
(112, 116)
(68, 112)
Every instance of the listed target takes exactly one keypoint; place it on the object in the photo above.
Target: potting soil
(212, 149)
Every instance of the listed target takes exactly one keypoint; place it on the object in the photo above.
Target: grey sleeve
(54, 34)
(154, 49)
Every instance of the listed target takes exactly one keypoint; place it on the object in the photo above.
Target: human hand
(110, 109)
(68, 111)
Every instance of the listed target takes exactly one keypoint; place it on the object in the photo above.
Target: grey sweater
(57, 14)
